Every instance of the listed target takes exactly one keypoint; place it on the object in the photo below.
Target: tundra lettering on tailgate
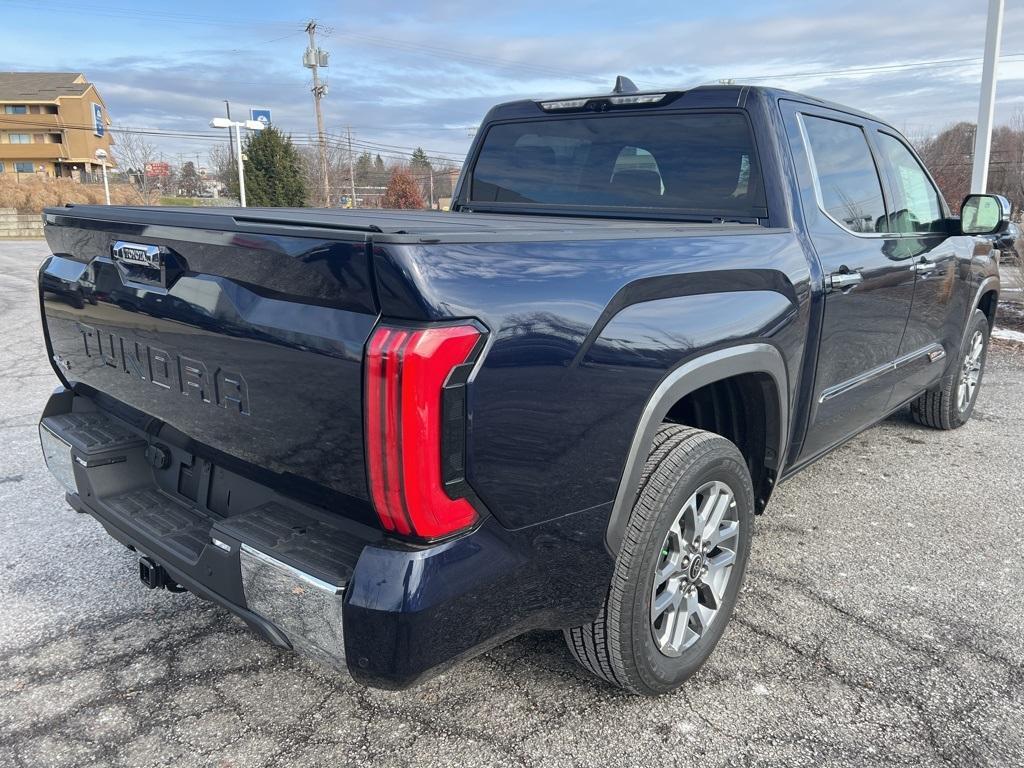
(187, 375)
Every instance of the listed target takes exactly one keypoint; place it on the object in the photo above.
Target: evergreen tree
(188, 180)
(364, 169)
(402, 191)
(420, 162)
(378, 164)
(273, 170)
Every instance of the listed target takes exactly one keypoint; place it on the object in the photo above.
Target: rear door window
(845, 176)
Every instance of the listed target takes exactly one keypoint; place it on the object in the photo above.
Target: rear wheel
(951, 403)
(680, 568)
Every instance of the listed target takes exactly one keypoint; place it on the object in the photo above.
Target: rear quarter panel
(582, 332)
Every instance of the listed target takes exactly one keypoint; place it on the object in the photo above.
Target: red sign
(154, 170)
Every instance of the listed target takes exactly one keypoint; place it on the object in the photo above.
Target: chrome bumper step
(284, 561)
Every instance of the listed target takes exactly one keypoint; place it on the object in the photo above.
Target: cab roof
(731, 95)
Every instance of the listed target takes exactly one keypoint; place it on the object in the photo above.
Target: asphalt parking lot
(882, 624)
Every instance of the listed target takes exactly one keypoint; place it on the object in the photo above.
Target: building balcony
(31, 151)
(29, 123)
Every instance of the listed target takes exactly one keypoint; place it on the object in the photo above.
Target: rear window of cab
(699, 163)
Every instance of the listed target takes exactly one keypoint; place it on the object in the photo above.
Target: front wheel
(951, 403)
(680, 568)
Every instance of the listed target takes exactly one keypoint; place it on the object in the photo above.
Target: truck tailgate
(250, 344)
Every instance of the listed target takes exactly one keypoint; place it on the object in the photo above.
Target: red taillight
(406, 371)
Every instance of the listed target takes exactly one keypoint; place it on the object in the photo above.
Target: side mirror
(984, 214)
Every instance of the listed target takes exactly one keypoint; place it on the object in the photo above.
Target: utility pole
(987, 105)
(314, 59)
(430, 170)
(351, 166)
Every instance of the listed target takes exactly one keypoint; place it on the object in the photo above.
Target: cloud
(405, 75)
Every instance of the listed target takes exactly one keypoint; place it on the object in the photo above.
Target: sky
(405, 74)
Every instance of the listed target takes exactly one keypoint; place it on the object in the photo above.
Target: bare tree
(337, 171)
(949, 156)
(222, 163)
(134, 154)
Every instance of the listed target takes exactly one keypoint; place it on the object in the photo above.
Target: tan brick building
(51, 123)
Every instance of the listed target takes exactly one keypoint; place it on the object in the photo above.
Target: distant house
(51, 123)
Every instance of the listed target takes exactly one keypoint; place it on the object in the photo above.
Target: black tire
(941, 407)
(620, 645)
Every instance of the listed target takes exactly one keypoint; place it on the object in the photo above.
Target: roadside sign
(156, 170)
(97, 120)
(263, 115)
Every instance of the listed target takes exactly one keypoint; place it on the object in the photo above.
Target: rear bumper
(311, 581)
(239, 562)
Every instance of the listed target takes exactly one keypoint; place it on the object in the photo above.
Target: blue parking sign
(263, 115)
(97, 119)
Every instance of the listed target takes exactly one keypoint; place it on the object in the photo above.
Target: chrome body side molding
(932, 353)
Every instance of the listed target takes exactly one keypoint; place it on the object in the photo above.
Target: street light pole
(252, 125)
(986, 108)
(238, 162)
(101, 155)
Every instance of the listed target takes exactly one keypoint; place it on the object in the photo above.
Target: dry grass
(32, 195)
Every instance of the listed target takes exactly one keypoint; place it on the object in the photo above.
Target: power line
(936, 63)
(333, 140)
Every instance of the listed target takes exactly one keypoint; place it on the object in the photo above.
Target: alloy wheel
(970, 372)
(693, 571)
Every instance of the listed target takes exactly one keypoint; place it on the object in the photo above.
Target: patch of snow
(1006, 334)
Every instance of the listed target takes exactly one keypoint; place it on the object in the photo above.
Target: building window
(2, 169)
(15, 109)
(24, 167)
(19, 138)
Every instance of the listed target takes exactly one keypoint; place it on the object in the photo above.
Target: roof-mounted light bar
(563, 104)
(625, 93)
(618, 101)
(640, 98)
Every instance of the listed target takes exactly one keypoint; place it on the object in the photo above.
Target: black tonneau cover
(386, 224)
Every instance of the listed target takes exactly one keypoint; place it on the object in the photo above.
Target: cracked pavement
(881, 624)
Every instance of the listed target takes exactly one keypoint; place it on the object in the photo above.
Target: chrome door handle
(839, 280)
(924, 266)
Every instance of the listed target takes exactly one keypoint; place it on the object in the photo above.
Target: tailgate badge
(152, 265)
(138, 255)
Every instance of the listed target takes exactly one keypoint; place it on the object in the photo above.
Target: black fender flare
(990, 283)
(679, 382)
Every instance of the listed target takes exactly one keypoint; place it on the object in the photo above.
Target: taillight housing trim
(415, 427)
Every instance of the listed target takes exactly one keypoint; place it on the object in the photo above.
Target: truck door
(940, 261)
(868, 283)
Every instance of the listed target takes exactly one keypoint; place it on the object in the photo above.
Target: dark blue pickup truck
(394, 439)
